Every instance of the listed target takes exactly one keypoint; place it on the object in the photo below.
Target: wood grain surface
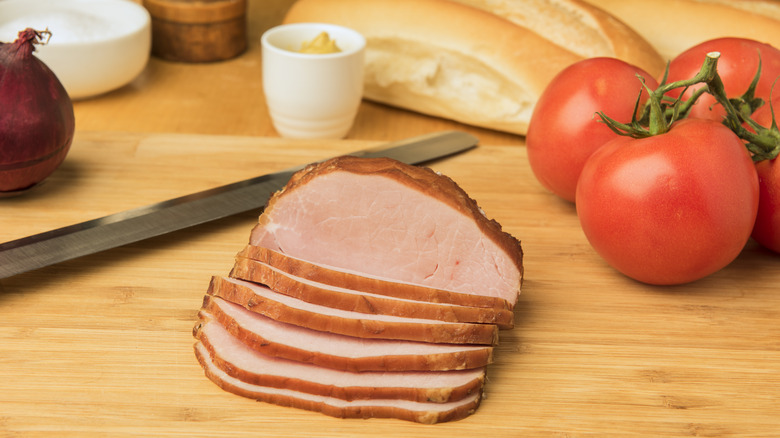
(102, 345)
(226, 98)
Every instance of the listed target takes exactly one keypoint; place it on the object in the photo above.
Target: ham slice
(421, 412)
(261, 299)
(363, 302)
(250, 366)
(384, 218)
(368, 288)
(355, 280)
(348, 353)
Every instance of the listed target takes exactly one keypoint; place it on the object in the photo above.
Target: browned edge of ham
(428, 413)
(419, 178)
(263, 300)
(351, 280)
(361, 302)
(481, 264)
(251, 366)
(338, 351)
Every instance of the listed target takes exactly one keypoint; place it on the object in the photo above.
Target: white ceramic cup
(312, 95)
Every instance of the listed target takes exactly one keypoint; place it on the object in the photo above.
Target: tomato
(671, 208)
(737, 66)
(767, 228)
(564, 129)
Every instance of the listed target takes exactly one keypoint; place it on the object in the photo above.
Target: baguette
(768, 8)
(579, 27)
(673, 26)
(446, 59)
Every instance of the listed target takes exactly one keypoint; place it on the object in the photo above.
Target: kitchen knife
(50, 247)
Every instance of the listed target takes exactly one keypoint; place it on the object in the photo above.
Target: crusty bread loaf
(579, 27)
(673, 26)
(768, 8)
(446, 59)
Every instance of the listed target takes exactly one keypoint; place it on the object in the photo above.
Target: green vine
(660, 111)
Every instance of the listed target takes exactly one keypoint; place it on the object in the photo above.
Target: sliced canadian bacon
(250, 366)
(340, 277)
(364, 302)
(330, 350)
(261, 299)
(385, 218)
(421, 412)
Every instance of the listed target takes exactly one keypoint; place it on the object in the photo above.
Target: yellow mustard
(320, 45)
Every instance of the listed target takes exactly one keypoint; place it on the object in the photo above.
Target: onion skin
(36, 116)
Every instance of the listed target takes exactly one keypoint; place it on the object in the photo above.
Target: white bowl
(96, 45)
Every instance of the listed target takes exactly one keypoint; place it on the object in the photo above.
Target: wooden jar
(197, 30)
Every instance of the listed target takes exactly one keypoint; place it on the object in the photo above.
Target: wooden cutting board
(102, 345)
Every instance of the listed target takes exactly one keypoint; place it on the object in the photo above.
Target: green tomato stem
(660, 111)
(762, 142)
(658, 114)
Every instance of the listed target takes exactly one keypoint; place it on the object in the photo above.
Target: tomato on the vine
(670, 208)
(767, 228)
(737, 66)
(564, 129)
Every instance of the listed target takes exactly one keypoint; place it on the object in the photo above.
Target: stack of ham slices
(369, 288)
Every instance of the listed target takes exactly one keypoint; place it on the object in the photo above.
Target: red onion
(36, 116)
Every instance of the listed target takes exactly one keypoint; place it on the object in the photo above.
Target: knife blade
(61, 244)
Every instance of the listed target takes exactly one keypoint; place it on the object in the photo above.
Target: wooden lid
(195, 11)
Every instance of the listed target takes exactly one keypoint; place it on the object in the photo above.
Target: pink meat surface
(384, 218)
(421, 412)
(340, 277)
(338, 351)
(259, 298)
(364, 302)
(251, 366)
